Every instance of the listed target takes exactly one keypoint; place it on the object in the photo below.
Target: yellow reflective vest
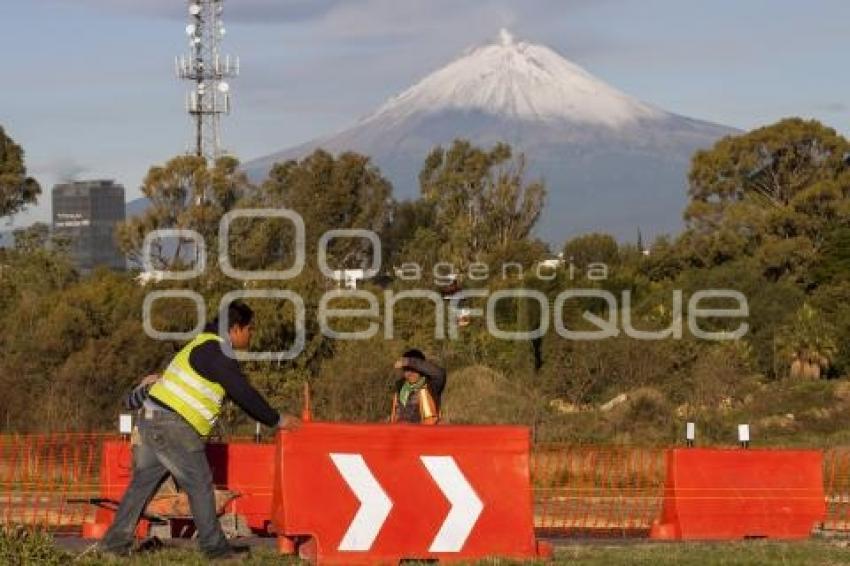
(188, 393)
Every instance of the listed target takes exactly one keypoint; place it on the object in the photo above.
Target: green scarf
(407, 388)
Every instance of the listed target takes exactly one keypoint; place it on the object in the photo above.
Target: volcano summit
(611, 163)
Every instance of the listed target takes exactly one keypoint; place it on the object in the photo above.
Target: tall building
(88, 212)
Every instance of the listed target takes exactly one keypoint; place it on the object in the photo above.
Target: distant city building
(87, 212)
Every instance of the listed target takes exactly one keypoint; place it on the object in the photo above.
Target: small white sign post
(744, 435)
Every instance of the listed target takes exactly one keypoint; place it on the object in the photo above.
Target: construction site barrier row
(51, 481)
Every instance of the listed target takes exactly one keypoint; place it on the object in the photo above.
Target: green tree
(832, 301)
(772, 305)
(769, 193)
(770, 166)
(82, 349)
(408, 218)
(185, 193)
(32, 238)
(592, 248)
(833, 263)
(344, 192)
(482, 202)
(16, 189)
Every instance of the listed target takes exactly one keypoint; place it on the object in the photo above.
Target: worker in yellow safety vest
(177, 410)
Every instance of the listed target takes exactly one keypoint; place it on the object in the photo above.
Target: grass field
(41, 550)
(809, 553)
(24, 548)
(739, 553)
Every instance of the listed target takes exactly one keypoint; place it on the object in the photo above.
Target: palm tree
(808, 344)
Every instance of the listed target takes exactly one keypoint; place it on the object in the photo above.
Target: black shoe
(232, 551)
(240, 548)
(151, 544)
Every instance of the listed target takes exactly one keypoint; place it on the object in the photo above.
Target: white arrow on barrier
(466, 506)
(375, 505)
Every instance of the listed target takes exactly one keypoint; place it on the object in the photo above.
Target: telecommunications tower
(208, 70)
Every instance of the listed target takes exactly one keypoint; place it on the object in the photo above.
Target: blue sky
(88, 88)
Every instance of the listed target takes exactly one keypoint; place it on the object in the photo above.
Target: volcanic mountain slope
(610, 162)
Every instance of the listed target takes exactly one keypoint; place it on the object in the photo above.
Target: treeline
(769, 216)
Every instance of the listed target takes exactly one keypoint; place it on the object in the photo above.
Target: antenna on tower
(208, 70)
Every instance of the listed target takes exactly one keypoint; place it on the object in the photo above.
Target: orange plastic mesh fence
(583, 490)
(42, 474)
(577, 490)
(836, 477)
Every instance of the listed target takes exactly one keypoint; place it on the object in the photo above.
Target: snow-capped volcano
(518, 80)
(611, 163)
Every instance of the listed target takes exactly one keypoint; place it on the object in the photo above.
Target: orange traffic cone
(306, 413)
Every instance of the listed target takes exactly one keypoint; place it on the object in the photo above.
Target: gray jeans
(168, 445)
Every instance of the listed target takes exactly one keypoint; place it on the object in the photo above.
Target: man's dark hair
(238, 314)
(414, 353)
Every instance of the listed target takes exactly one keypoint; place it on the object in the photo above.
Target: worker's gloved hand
(288, 422)
(400, 363)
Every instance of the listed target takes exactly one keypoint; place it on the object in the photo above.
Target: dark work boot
(232, 551)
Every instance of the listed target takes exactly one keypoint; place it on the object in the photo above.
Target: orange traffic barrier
(247, 469)
(382, 493)
(714, 494)
(116, 467)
